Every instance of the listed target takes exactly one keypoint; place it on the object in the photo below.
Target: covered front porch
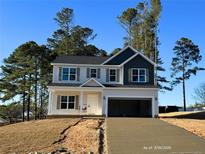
(75, 101)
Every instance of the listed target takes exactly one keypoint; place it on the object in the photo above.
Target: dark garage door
(129, 107)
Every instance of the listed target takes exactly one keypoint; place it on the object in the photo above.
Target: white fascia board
(115, 55)
(145, 57)
(92, 79)
(129, 59)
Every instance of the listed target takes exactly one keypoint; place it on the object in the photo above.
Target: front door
(92, 103)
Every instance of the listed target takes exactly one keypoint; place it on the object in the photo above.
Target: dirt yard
(191, 121)
(185, 115)
(84, 137)
(195, 126)
(171, 114)
(76, 135)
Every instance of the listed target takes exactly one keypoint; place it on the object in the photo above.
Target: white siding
(83, 74)
(134, 93)
(53, 94)
(104, 94)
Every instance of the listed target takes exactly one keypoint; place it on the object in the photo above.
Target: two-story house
(121, 85)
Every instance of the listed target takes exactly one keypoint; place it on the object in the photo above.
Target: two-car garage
(129, 107)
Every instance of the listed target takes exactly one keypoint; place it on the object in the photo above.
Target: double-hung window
(69, 74)
(67, 102)
(93, 73)
(65, 73)
(72, 74)
(138, 75)
(113, 75)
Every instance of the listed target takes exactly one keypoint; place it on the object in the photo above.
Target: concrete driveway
(148, 136)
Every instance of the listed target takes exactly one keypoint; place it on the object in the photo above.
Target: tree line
(27, 71)
(141, 26)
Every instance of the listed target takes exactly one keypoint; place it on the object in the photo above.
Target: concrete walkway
(150, 136)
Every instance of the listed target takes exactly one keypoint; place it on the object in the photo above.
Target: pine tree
(141, 25)
(21, 76)
(186, 54)
(70, 39)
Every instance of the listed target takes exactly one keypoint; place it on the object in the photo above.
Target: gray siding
(119, 59)
(138, 62)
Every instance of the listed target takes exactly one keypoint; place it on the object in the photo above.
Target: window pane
(135, 78)
(71, 98)
(72, 77)
(112, 78)
(65, 77)
(142, 72)
(93, 75)
(112, 72)
(63, 105)
(65, 70)
(63, 98)
(134, 72)
(72, 70)
(142, 78)
(93, 71)
(71, 105)
(65, 73)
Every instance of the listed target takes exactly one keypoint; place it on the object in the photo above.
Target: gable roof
(97, 60)
(91, 83)
(131, 57)
(80, 59)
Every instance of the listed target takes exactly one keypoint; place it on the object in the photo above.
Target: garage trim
(137, 97)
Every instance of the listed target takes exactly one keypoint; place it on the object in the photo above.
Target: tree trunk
(41, 105)
(23, 110)
(24, 99)
(36, 91)
(129, 35)
(183, 82)
(28, 105)
(29, 100)
(184, 95)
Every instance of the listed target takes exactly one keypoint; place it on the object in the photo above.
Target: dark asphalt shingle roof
(80, 59)
(106, 85)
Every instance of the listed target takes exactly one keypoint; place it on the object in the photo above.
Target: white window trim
(68, 102)
(95, 73)
(138, 72)
(115, 75)
(69, 74)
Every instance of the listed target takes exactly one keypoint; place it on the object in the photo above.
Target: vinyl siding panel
(138, 62)
(123, 56)
(83, 74)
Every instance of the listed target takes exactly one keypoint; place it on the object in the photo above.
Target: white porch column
(81, 101)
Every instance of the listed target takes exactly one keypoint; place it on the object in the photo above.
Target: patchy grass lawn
(39, 135)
